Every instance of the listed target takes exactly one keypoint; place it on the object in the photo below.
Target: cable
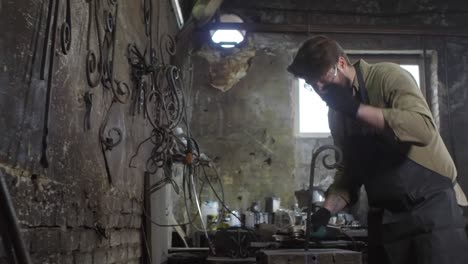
(185, 201)
(201, 218)
(166, 101)
(161, 225)
(190, 218)
(138, 150)
(159, 94)
(209, 225)
(224, 205)
(218, 178)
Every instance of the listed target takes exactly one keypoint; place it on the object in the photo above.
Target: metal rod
(45, 45)
(45, 132)
(13, 229)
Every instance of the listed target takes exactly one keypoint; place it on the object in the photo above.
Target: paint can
(209, 210)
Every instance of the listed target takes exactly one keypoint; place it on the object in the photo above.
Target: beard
(346, 83)
(341, 88)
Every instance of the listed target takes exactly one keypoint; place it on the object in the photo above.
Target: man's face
(334, 76)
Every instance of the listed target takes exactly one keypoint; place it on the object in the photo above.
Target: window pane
(414, 70)
(313, 112)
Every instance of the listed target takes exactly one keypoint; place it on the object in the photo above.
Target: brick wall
(72, 211)
(59, 228)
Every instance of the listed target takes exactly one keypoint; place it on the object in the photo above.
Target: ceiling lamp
(228, 38)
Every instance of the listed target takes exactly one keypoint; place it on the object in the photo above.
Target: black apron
(413, 216)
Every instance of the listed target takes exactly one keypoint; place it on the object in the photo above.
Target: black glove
(320, 218)
(341, 99)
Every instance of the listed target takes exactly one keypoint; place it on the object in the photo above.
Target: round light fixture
(228, 38)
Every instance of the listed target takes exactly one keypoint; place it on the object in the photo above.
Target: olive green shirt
(407, 118)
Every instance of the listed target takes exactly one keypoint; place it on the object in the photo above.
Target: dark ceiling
(299, 16)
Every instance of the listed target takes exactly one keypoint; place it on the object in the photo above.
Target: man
(380, 120)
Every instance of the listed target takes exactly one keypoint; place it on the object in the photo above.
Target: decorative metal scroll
(315, 155)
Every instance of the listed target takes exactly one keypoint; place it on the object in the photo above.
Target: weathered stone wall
(247, 130)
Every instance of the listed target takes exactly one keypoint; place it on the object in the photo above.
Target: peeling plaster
(225, 70)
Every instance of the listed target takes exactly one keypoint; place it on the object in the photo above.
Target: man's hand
(319, 220)
(341, 99)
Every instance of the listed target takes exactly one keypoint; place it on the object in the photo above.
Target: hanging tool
(44, 160)
(93, 63)
(88, 99)
(66, 31)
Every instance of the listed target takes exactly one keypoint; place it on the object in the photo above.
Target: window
(414, 70)
(313, 112)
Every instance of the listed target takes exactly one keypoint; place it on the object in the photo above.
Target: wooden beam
(343, 29)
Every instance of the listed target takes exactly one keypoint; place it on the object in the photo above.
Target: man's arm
(334, 203)
(406, 125)
(320, 219)
(407, 117)
(372, 116)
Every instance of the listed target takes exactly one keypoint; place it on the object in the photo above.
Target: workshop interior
(171, 131)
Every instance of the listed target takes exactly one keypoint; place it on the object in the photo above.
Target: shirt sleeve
(343, 185)
(407, 113)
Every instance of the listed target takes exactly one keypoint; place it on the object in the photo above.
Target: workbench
(312, 256)
(227, 260)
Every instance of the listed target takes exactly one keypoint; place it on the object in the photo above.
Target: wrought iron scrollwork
(338, 157)
(315, 155)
